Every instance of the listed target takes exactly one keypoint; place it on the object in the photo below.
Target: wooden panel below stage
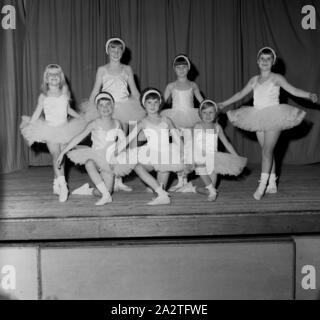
(156, 270)
(29, 210)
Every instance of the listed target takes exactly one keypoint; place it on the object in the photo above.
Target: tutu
(41, 131)
(182, 118)
(224, 164)
(168, 160)
(82, 154)
(277, 117)
(124, 111)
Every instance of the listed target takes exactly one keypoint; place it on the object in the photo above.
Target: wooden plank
(30, 211)
(172, 271)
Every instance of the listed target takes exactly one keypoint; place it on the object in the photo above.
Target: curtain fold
(221, 37)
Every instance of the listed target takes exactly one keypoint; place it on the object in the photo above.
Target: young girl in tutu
(55, 130)
(115, 77)
(267, 118)
(157, 154)
(183, 114)
(208, 161)
(105, 131)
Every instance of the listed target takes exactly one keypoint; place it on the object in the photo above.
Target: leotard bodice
(155, 133)
(56, 110)
(102, 138)
(182, 99)
(117, 85)
(265, 94)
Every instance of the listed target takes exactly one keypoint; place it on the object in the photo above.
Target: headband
(143, 100)
(115, 39)
(184, 57)
(208, 101)
(273, 52)
(103, 95)
(53, 65)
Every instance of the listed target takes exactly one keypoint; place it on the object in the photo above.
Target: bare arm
(167, 92)
(75, 141)
(283, 83)
(97, 84)
(225, 141)
(132, 85)
(239, 95)
(38, 110)
(197, 93)
(174, 131)
(73, 113)
(133, 134)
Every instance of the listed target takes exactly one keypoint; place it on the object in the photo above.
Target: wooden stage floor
(29, 210)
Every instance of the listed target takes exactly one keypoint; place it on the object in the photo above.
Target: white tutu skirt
(168, 160)
(224, 164)
(82, 154)
(124, 111)
(278, 117)
(182, 118)
(40, 131)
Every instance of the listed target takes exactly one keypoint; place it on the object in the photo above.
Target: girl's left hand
(313, 97)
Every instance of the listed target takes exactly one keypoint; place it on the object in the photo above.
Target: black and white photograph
(159, 150)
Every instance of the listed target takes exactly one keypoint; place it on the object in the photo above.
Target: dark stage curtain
(221, 37)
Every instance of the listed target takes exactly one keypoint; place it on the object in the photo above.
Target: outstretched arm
(97, 84)
(38, 110)
(283, 83)
(132, 135)
(132, 85)
(73, 113)
(239, 95)
(225, 141)
(75, 141)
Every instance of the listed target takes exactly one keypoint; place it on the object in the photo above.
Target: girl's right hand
(313, 97)
(220, 105)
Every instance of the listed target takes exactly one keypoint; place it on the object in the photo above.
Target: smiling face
(181, 70)
(208, 114)
(115, 51)
(53, 77)
(105, 108)
(152, 105)
(265, 61)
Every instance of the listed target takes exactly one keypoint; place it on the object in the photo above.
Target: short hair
(150, 93)
(269, 51)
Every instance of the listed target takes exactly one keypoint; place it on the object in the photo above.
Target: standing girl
(183, 114)
(55, 130)
(105, 131)
(115, 78)
(208, 161)
(267, 118)
(157, 154)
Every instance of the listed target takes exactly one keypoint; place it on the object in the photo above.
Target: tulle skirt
(124, 111)
(278, 117)
(224, 164)
(168, 160)
(121, 167)
(40, 131)
(182, 118)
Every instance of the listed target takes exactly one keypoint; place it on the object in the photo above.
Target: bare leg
(148, 179)
(260, 136)
(162, 178)
(60, 185)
